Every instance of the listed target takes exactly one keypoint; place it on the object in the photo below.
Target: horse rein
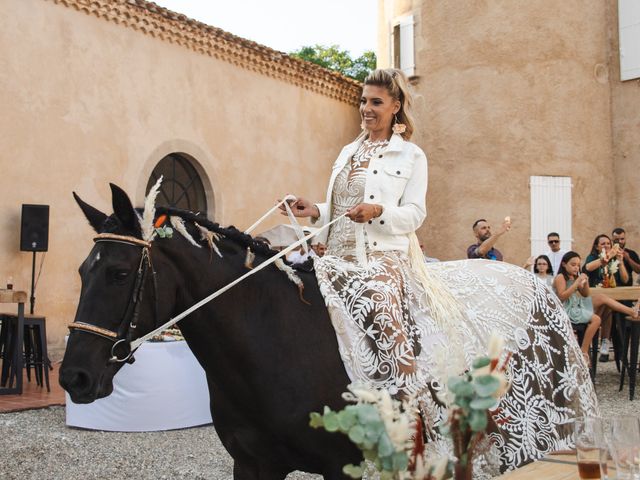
(134, 301)
(145, 263)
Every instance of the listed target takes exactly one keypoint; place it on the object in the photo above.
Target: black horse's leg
(334, 474)
(252, 471)
(242, 471)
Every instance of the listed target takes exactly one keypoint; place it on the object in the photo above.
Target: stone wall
(96, 94)
(508, 90)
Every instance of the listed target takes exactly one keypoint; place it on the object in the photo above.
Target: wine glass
(624, 445)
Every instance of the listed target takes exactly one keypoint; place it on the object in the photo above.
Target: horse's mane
(231, 233)
(192, 220)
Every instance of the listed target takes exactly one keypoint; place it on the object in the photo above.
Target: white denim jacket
(397, 180)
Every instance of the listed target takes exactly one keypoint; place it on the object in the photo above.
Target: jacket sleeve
(411, 211)
(323, 208)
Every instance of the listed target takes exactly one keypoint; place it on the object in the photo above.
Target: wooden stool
(630, 333)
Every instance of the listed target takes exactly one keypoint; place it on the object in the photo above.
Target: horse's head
(118, 301)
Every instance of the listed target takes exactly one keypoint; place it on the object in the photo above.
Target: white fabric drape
(164, 389)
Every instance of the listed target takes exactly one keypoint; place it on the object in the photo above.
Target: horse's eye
(119, 276)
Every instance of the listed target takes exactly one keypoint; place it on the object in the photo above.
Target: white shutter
(629, 28)
(407, 63)
(402, 45)
(550, 212)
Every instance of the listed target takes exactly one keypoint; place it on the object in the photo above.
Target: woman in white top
(380, 182)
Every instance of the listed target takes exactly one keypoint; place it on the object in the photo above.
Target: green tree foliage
(333, 58)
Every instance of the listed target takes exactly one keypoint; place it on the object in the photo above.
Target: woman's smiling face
(604, 242)
(377, 109)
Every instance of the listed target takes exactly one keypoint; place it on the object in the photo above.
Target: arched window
(181, 185)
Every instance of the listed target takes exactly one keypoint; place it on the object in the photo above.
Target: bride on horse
(405, 326)
(271, 359)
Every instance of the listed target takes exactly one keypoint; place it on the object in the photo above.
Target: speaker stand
(33, 283)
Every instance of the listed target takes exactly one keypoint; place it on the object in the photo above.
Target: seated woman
(543, 270)
(572, 288)
(605, 266)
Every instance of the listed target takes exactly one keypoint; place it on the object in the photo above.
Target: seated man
(484, 246)
(320, 248)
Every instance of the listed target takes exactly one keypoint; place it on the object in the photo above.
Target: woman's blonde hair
(397, 84)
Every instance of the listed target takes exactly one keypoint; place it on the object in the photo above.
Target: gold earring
(398, 127)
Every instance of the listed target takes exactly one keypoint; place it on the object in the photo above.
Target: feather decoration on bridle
(178, 224)
(148, 214)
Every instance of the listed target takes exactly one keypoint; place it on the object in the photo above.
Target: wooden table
(15, 296)
(552, 467)
(618, 293)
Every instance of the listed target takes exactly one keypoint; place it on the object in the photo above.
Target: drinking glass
(625, 447)
(588, 446)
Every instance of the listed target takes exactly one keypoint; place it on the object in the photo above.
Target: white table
(164, 389)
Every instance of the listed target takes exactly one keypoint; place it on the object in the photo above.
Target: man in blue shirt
(484, 246)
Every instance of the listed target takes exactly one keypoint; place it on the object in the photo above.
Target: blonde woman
(405, 326)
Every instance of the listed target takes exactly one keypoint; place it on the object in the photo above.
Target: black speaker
(34, 229)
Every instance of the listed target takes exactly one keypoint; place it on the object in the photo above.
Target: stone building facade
(99, 91)
(508, 91)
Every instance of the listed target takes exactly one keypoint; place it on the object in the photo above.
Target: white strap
(139, 341)
(292, 219)
(275, 207)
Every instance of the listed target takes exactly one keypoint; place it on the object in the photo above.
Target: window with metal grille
(181, 186)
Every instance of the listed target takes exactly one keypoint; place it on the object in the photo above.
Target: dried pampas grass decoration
(178, 224)
(149, 212)
(211, 238)
(291, 275)
(248, 261)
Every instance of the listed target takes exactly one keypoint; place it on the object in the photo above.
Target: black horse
(269, 357)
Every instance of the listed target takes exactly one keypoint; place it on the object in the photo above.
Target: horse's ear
(123, 209)
(96, 217)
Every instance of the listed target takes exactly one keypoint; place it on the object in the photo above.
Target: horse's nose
(75, 381)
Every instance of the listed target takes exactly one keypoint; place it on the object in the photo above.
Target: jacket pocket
(394, 181)
(398, 170)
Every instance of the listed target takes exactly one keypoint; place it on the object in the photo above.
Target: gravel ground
(36, 444)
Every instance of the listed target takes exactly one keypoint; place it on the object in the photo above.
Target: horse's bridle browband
(124, 337)
(87, 327)
(114, 237)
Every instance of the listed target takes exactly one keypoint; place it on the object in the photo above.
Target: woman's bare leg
(605, 314)
(600, 300)
(589, 333)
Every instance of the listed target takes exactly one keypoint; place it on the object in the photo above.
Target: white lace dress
(388, 339)
(378, 314)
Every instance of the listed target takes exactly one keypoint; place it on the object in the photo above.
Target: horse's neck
(255, 323)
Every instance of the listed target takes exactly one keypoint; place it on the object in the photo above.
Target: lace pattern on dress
(387, 338)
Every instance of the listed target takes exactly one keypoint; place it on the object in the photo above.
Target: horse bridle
(128, 324)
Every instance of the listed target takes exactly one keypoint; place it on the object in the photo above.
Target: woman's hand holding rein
(363, 212)
(301, 208)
